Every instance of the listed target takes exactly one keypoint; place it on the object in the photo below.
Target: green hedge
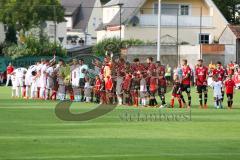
(32, 46)
(115, 45)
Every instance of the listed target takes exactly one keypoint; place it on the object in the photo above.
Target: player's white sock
(27, 91)
(144, 101)
(17, 91)
(13, 92)
(88, 99)
(120, 100)
(42, 90)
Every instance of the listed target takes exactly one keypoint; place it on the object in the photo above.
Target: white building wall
(229, 39)
(109, 13)
(95, 19)
(61, 31)
(2, 33)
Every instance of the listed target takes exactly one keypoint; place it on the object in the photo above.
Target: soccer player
(153, 89)
(34, 85)
(14, 86)
(20, 74)
(220, 74)
(10, 70)
(230, 85)
(83, 71)
(109, 88)
(50, 81)
(177, 91)
(143, 90)
(162, 83)
(186, 82)
(61, 93)
(126, 86)
(217, 92)
(43, 79)
(119, 91)
(87, 90)
(75, 74)
(28, 79)
(201, 75)
(97, 88)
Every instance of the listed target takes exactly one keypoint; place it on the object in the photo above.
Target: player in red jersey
(109, 89)
(230, 85)
(126, 86)
(150, 65)
(153, 87)
(186, 81)
(220, 73)
(97, 89)
(162, 83)
(201, 75)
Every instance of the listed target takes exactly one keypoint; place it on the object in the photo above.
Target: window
(184, 10)
(169, 9)
(204, 38)
(155, 8)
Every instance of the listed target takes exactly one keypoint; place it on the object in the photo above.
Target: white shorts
(75, 82)
(34, 88)
(43, 82)
(19, 81)
(50, 83)
(28, 80)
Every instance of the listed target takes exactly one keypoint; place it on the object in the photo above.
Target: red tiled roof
(235, 29)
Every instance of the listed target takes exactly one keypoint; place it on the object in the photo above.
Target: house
(231, 38)
(83, 17)
(2, 33)
(191, 21)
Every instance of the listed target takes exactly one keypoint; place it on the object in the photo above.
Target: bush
(33, 47)
(115, 45)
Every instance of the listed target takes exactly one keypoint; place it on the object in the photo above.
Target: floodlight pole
(159, 32)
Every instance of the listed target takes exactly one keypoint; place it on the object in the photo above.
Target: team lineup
(123, 83)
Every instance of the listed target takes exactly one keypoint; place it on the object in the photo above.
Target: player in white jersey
(19, 74)
(43, 79)
(217, 92)
(38, 81)
(14, 86)
(75, 72)
(28, 79)
(50, 81)
(34, 88)
(61, 93)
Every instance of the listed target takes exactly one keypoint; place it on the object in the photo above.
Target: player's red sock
(38, 92)
(54, 95)
(24, 92)
(180, 103)
(136, 99)
(172, 103)
(71, 97)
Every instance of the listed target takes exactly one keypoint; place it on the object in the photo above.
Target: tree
(23, 15)
(230, 9)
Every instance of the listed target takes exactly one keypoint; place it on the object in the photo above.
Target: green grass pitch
(29, 130)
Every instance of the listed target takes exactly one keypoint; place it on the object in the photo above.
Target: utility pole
(159, 32)
(200, 33)
(55, 25)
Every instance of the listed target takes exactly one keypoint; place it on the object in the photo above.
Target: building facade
(190, 21)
